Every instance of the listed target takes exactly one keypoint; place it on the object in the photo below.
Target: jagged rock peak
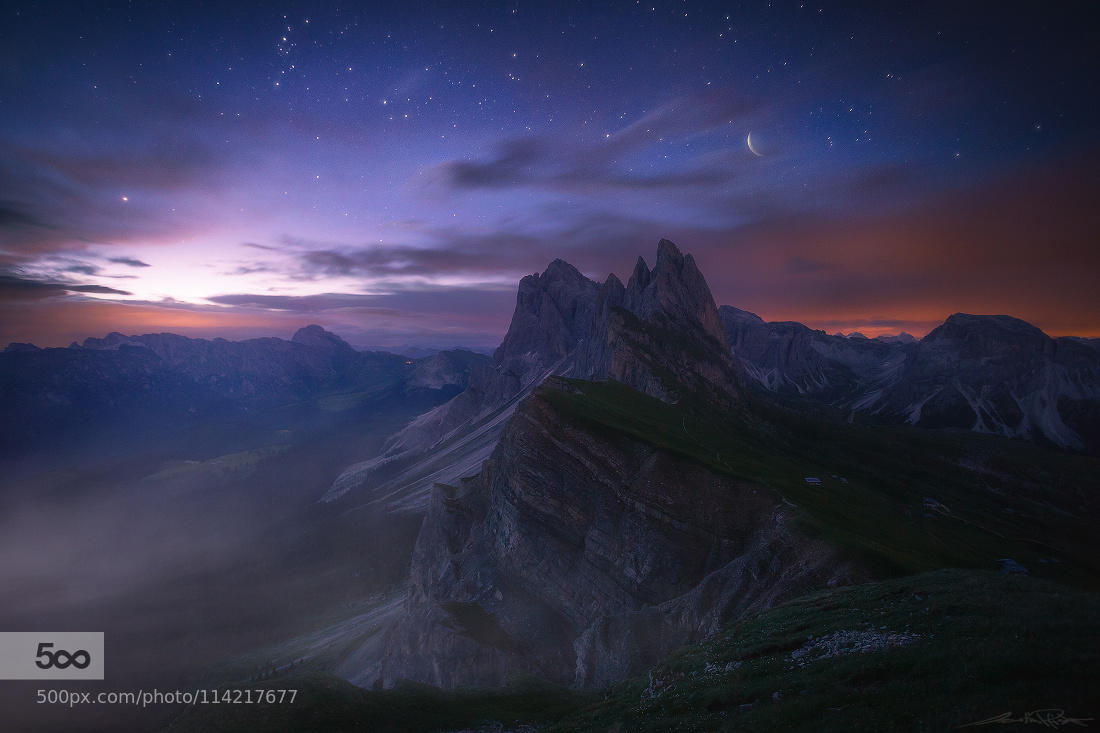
(640, 278)
(612, 292)
(669, 253)
(318, 337)
(675, 289)
(559, 269)
(552, 310)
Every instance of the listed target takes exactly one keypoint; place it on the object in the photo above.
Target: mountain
(657, 334)
(652, 503)
(576, 555)
(158, 384)
(787, 357)
(629, 494)
(936, 651)
(991, 374)
(582, 557)
(901, 338)
(453, 440)
(179, 477)
(609, 487)
(318, 338)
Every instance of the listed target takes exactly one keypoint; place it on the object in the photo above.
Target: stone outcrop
(659, 334)
(582, 558)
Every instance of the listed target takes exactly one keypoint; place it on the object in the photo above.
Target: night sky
(241, 170)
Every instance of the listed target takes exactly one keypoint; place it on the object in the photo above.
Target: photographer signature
(1047, 717)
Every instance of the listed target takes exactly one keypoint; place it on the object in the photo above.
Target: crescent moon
(752, 149)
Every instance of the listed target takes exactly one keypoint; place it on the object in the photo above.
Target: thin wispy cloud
(128, 261)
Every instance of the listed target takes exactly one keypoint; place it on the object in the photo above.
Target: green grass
(979, 644)
(985, 644)
(910, 500)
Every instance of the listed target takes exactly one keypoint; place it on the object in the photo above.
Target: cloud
(13, 215)
(96, 289)
(513, 164)
(531, 162)
(397, 260)
(83, 269)
(14, 287)
(128, 261)
(401, 301)
(552, 163)
(306, 303)
(1018, 244)
(251, 269)
(159, 162)
(66, 193)
(595, 242)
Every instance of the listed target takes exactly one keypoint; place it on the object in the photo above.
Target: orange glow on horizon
(63, 322)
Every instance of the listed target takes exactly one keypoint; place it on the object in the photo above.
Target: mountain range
(632, 474)
(603, 491)
(994, 374)
(991, 374)
(157, 384)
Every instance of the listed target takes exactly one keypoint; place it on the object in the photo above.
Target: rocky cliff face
(576, 555)
(993, 374)
(659, 334)
(998, 374)
(581, 553)
(583, 557)
(552, 312)
(445, 369)
(788, 357)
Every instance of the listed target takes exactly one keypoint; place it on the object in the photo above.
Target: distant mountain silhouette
(991, 374)
(164, 381)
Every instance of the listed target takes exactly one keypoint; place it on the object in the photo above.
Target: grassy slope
(988, 643)
(983, 644)
(911, 500)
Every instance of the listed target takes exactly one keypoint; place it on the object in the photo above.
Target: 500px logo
(51, 655)
(61, 659)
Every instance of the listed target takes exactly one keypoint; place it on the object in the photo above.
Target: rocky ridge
(131, 384)
(992, 374)
(657, 334)
(582, 556)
